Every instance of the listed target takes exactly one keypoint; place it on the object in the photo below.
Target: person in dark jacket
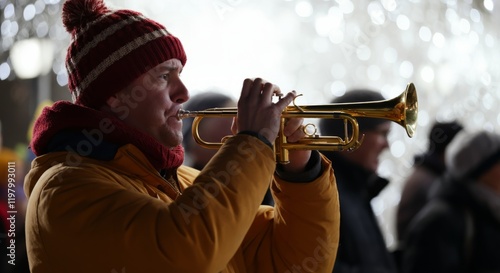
(427, 169)
(362, 247)
(459, 230)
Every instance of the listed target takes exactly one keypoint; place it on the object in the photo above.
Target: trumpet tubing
(402, 110)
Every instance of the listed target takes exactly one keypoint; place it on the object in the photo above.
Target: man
(107, 192)
(362, 247)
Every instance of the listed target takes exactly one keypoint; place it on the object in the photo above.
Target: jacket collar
(128, 160)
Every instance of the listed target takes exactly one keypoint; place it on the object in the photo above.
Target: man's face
(374, 143)
(151, 102)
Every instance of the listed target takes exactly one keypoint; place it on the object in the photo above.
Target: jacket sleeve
(301, 234)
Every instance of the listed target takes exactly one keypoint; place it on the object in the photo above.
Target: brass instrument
(402, 109)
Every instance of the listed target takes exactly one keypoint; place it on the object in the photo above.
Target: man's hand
(257, 113)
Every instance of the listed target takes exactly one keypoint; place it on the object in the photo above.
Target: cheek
(157, 102)
(149, 111)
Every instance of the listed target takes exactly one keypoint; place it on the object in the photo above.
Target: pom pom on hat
(471, 154)
(77, 14)
(111, 48)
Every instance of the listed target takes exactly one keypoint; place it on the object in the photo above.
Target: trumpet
(402, 110)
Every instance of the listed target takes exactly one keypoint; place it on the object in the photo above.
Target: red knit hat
(110, 49)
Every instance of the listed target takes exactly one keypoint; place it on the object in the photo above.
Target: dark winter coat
(456, 232)
(417, 187)
(362, 248)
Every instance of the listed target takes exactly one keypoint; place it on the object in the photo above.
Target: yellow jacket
(86, 215)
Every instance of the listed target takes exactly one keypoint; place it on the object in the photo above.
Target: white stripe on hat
(117, 55)
(99, 38)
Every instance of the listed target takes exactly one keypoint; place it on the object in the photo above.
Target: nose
(180, 93)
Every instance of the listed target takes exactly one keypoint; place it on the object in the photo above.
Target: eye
(164, 77)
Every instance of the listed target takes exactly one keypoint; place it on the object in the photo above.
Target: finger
(257, 85)
(277, 91)
(246, 89)
(255, 92)
(292, 125)
(267, 92)
(296, 135)
(286, 100)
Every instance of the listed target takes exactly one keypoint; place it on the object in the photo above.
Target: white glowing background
(321, 48)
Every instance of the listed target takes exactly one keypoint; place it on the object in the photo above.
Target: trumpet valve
(310, 130)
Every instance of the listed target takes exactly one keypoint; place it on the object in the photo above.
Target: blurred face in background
(374, 143)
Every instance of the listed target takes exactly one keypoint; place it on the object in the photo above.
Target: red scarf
(66, 116)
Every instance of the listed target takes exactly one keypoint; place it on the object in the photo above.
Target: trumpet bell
(402, 110)
(411, 110)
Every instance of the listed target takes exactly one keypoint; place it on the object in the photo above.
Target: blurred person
(427, 168)
(210, 129)
(108, 191)
(459, 229)
(362, 247)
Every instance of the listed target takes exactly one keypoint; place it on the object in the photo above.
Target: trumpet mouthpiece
(182, 114)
